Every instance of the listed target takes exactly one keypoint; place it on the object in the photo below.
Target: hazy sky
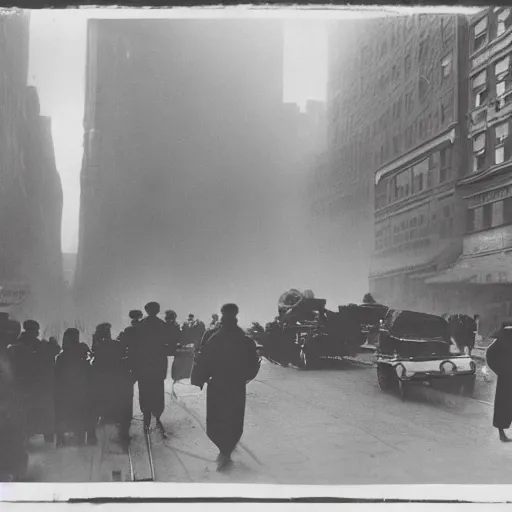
(57, 68)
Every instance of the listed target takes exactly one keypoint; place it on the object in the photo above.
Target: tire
(467, 387)
(384, 377)
(402, 390)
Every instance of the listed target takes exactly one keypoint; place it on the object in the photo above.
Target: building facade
(482, 277)
(31, 193)
(396, 149)
(182, 126)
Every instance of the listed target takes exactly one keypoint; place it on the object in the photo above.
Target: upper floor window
(480, 90)
(501, 151)
(503, 19)
(501, 68)
(480, 34)
(445, 164)
(479, 154)
(446, 66)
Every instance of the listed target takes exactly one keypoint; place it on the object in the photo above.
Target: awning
(489, 269)
(419, 265)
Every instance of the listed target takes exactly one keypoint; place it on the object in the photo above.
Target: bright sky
(57, 68)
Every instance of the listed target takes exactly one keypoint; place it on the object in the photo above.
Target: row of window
(434, 170)
(493, 83)
(491, 26)
(492, 147)
(491, 215)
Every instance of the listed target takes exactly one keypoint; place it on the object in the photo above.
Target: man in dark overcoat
(148, 360)
(227, 361)
(499, 360)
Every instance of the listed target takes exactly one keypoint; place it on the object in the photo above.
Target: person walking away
(127, 338)
(33, 364)
(499, 360)
(149, 363)
(72, 391)
(107, 376)
(226, 362)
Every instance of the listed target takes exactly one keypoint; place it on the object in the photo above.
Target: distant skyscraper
(181, 153)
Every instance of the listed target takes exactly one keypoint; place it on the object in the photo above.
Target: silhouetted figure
(127, 338)
(368, 299)
(33, 363)
(73, 401)
(148, 360)
(499, 360)
(193, 331)
(463, 330)
(13, 455)
(227, 361)
(108, 376)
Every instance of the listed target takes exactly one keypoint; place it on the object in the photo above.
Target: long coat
(499, 359)
(227, 361)
(73, 400)
(33, 362)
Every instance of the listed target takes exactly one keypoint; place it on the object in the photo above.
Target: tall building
(397, 135)
(182, 147)
(31, 194)
(482, 277)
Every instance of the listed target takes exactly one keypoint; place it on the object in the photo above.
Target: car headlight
(447, 367)
(400, 371)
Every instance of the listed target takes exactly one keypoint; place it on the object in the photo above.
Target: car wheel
(383, 377)
(402, 390)
(467, 387)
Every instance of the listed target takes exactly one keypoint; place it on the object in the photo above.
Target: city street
(332, 426)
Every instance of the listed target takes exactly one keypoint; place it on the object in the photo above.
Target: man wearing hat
(34, 365)
(148, 355)
(227, 361)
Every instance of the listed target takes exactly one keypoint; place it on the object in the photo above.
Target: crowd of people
(67, 391)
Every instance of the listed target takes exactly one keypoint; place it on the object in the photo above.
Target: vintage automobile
(367, 317)
(416, 348)
(305, 332)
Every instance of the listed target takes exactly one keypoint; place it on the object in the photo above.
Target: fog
(196, 179)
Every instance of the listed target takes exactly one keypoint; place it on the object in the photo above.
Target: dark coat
(499, 359)
(227, 361)
(73, 400)
(148, 353)
(110, 378)
(33, 363)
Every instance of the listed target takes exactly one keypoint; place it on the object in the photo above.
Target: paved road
(332, 426)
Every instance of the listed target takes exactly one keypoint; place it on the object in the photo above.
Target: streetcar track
(180, 403)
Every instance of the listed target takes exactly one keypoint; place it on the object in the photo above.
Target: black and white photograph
(255, 246)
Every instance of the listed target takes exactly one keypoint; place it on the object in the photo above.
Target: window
(500, 89)
(501, 132)
(507, 210)
(480, 34)
(479, 143)
(503, 21)
(497, 214)
(470, 220)
(501, 68)
(480, 89)
(419, 176)
(446, 66)
(487, 216)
